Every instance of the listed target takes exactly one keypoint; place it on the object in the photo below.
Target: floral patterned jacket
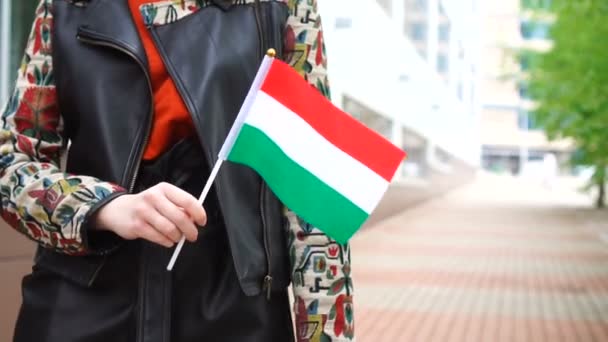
(51, 207)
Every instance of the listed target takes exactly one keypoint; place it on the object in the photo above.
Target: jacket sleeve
(37, 198)
(323, 289)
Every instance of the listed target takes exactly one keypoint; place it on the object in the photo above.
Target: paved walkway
(500, 260)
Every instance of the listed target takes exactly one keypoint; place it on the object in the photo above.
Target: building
(446, 34)
(429, 56)
(511, 139)
(392, 82)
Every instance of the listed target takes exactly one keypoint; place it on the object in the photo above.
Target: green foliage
(570, 82)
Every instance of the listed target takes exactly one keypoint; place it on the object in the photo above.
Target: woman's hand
(160, 214)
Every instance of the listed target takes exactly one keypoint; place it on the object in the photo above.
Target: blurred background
(494, 227)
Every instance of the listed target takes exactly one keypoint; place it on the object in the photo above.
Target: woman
(145, 92)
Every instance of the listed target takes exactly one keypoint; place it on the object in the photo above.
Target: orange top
(171, 118)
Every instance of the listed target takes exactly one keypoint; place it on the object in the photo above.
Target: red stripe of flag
(368, 147)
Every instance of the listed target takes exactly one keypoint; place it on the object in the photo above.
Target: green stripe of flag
(302, 192)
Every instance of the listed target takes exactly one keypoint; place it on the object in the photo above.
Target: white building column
(432, 39)
(397, 134)
(5, 44)
(453, 56)
(398, 13)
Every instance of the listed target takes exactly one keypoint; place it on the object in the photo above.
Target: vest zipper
(267, 285)
(97, 40)
(94, 39)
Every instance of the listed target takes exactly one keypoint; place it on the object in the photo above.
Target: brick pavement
(500, 260)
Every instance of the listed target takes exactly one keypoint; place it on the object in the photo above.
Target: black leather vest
(105, 98)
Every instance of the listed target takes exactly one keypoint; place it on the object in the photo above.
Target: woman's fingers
(178, 217)
(182, 199)
(164, 226)
(147, 232)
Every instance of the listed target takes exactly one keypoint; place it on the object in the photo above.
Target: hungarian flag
(321, 163)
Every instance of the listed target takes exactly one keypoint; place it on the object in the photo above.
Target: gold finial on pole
(271, 53)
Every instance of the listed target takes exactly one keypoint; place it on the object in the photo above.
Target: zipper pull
(267, 286)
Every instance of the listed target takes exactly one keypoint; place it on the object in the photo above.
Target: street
(499, 260)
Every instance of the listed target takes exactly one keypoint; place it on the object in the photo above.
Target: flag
(327, 167)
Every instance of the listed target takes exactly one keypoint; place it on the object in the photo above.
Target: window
(527, 121)
(418, 31)
(524, 90)
(444, 32)
(460, 91)
(524, 62)
(442, 63)
(534, 29)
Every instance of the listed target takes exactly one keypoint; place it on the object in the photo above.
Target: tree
(569, 83)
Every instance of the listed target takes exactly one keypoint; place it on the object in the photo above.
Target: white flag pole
(230, 139)
(201, 199)
(251, 95)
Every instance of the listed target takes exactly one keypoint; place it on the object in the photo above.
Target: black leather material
(209, 303)
(55, 308)
(155, 294)
(134, 298)
(104, 96)
(213, 80)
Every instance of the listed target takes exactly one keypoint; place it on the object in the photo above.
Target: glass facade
(444, 32)
(535, 29)
(15, 24)
(442, 63)
(418, 31)
(527, 121)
